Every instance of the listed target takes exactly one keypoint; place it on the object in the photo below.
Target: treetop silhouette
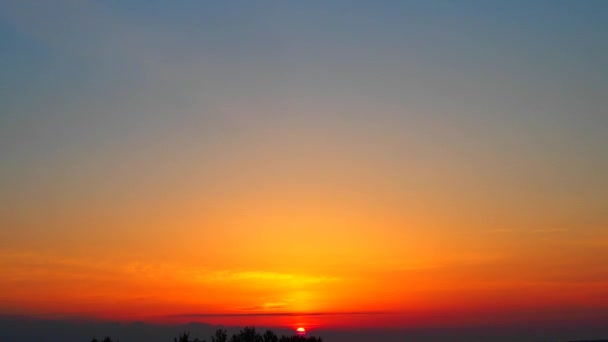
(248, 334)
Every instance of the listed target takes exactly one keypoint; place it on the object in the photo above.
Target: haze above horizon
(305, 164)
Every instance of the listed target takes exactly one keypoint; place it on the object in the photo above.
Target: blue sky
(476, 126)
(514, 63)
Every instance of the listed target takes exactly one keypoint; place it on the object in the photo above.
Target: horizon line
(271, 314)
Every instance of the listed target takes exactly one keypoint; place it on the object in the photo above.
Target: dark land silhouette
(28, 329)
(249, 334)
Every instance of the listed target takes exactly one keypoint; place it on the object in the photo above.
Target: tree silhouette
(246, 335)
(270, 336)
(185, 337)
(106, 339)
(220, 336)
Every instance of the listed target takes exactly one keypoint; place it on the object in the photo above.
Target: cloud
(24, 269)
(264, 276)
(282, 314)
(264, 306)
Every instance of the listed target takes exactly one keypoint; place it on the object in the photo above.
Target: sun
(301, 331)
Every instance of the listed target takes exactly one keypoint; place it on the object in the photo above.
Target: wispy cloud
(28, 266)
(280, 314)
(546, 230)
(264, 306)
(266, 276)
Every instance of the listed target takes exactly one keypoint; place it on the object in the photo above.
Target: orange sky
(401, 165)
(265, 255)
(287, 236)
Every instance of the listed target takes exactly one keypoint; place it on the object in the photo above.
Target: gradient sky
(443, 160)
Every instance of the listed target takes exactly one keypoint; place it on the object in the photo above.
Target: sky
(368, 164)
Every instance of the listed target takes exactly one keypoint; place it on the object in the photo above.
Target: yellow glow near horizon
(287, 161)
